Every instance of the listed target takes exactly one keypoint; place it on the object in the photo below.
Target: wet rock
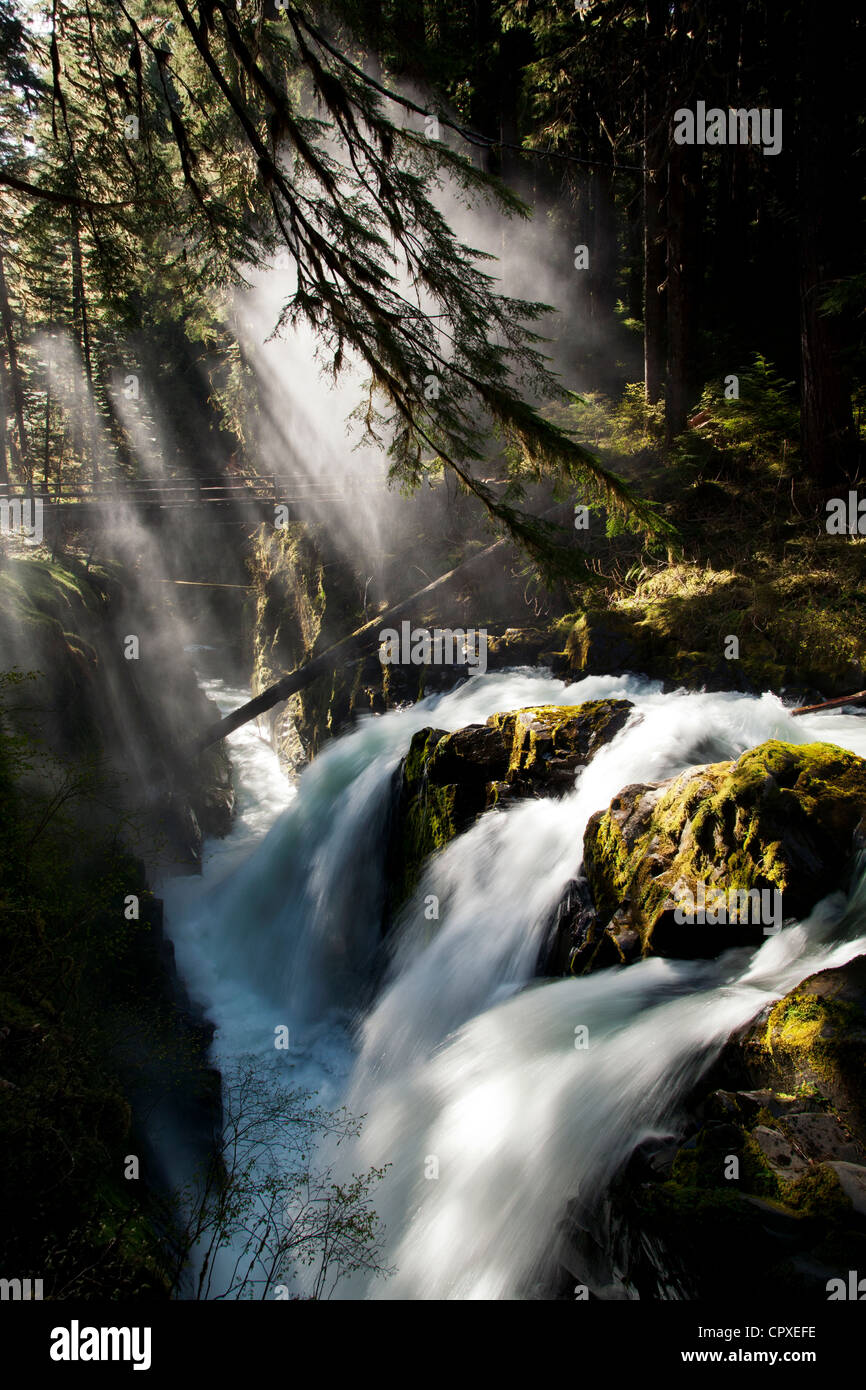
(814, 1040)
(751, 1103)
(603, 642)
(852, 1180)
(782, 818)
(821, 1136)
(212, 792)
(518, 646)
(548, 744)
(780, 1155)
(449, 779)
(567, 929)
(796, 1196)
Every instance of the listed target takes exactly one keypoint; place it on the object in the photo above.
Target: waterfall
(490, 1118)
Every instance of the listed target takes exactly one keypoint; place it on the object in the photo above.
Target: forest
(432, 657)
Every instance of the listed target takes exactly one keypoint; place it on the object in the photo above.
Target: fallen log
(858, 699)
(362, 641)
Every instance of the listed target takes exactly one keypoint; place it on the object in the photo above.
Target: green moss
(818, 1193)
(816, 1040)
(760, 822)
(554, 730)
(428, 815)
(702, 1163)
(756, 1175)
(450, 779)
(304, 602)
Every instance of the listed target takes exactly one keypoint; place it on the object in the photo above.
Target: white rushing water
(466, 1068)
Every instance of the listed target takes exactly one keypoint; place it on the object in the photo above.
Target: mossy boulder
(815, 1040)
(793, 618)
(517, 646)
(449, 779)
(782, 817)
(604, 641)
(771, 1152)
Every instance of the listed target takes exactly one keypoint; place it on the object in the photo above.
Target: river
(490, 1118)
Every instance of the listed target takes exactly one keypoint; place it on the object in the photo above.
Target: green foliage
(254, 133)
(765, 415)
(627, 426)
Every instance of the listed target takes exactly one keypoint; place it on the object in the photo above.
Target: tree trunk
(82, 326)
(603, 268)
(683, 223)
(4, 465)
(409, 27)
(655, 147)
(828, 437)
(683, 285)
(15, 382)
(46, 459)
(726, 275)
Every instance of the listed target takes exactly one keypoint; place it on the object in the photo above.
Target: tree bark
(655, 146)
(828, 437)
(15, 381)
(4, 462)
(82, 325)
(603, 268)
(683, 285)
(686, 45)
(858, 699)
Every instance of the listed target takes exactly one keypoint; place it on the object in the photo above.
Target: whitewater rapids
(490, 1117)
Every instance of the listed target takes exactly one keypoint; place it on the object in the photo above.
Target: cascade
(477, 1094)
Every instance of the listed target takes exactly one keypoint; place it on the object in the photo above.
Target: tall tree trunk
(16, 384)
(46, 454)
(603, 267)
(512, 55)
(4, 464)
(683, 224)
(828, 438)
(121, 451)
(82, 327)
(683, 283)
(726, 277)
(408, 24)
(655, 146)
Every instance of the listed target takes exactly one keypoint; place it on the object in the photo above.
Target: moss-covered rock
(517, 646)
(448, 780)
(814, 1040)
(547, 744)
(604, 641)
(792, 615)
(781, 1167)
(782, 817)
